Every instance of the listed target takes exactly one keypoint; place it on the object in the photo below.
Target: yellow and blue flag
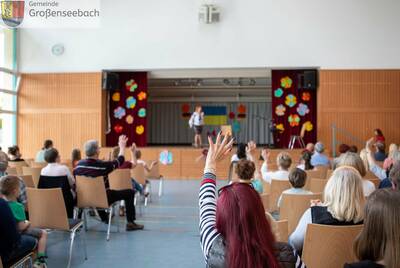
(215, 115)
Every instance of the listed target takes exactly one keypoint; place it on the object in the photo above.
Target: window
(8, 88)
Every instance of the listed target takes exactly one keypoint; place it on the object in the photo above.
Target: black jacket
(9, 236)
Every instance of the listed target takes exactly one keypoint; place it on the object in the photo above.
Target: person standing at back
(40, 155)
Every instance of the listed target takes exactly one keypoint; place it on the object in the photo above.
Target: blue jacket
(9, 234)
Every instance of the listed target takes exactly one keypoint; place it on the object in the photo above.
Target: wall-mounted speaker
(110, 81)
(307, 79)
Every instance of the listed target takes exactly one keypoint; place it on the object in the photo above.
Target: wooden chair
(329, 246)
(316, 173)
(279, 228)
(376, 182)
(265, 201)
(138, 173)
(25, 261)
(18, 166)
(38, 165)
(67, 162)
(293, 207)
(91, 193)
(155, 175)
(317, 185)
(329, 173)
(277, 187)
(34, 172)
(28, 180)
(12, 171)
(120, 179)
(47, 211)
(370, 176)
(29, 161)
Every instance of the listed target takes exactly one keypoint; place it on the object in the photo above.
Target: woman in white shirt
(197, 122)
(55, 169)
(284, 162)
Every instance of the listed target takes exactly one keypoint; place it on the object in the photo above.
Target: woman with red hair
(234, 230)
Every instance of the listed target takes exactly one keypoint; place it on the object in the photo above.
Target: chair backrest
(329, 173)
(120, 179)
(18, 166)
(265, 201)
(370, 175)
(334, 250)
(67, 162)
(28, 180)
(277, 187)
(293, 207)
(317, 185)
(46, 208)
(323, 170)
(279, 228)
(91, 192)
(38, 164)
(316, 173)
(29, 161)
(138, 174)
(154, 172)
(34, 172)
(50, 182)
(12, 171)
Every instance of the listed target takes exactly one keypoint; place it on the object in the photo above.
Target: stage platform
(187, 162)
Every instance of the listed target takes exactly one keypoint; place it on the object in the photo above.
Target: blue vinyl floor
(170, 237)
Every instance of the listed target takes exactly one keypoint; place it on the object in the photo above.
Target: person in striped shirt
(234, 231)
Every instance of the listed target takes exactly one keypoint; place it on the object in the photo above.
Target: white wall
(153, 34)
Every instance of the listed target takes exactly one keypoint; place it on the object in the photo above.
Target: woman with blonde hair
(355, 161)
(364, 158)
(378, 244)
(393, 149)
(343, 204)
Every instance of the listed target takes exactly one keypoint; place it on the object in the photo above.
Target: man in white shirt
(284, 162)
(55, 169)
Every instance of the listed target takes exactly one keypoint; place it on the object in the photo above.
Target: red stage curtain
(292, 107)
(128, 109)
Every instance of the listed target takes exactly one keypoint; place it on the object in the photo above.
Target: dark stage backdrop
(128, 109)
(292, 107)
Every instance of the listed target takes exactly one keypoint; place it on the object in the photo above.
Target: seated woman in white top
(240, 153)
(284, 162)
(55, 169)
(355, 161)
(40, 155)
(343, 205)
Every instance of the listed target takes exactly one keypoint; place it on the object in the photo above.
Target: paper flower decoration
(280, 128)
(142, 112)
(309, 126)
(294, 120)
(291, 100)
(119, 112)
(278, 92)
(302, 109)
(140, 129)
(131, 85)
(118, 128)
(130, 102)
(241, 111)
(185, 108)
(142, 96)
(280, 110)
(129, 119)
(286, 82)
(231, 115)
(116, 96)
(306, 96)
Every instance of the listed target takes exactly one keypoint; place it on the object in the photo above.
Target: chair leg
(71, 247)
(84, 219)
(119, 216)
(160, 187)
(145, 201)
(83, 234)
(109, 223)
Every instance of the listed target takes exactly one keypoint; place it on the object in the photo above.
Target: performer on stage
(197, 121)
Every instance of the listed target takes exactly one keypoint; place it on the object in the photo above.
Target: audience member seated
(305, 161)
(297, 178)
(55, 169)
(364, 158)
(393, 149)
(22, 188)
(319, 158)
(9, 186)
(394, 176)
(378, 244)
(343, 148)
(14, 154)
(378, 136)
(3, 156)
(3, 168)
(343, 205)
(245, 170)
(284, 162)
(93, 167)
(353, 149)
(355, 161)
(40, 155)
(75, 157)
(234, 231)
(13, 245)
(310, 147)
(380, 154)
(240, 153)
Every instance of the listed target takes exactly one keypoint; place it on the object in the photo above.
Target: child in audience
(393, 148)
(343, 205)
(245, 169)
(297, 178)
(75, 157)
(378, 244)
(14, 154)
(138, 155)
(380, 154)
(284, 162)
(9, 186)
(40, 155)
(240, 153)
(305, 161)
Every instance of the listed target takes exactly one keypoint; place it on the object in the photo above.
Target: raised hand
(122, 141)
(251, 147)
(265, 154)
(218, 150)
(370, 145)
(133, 147)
